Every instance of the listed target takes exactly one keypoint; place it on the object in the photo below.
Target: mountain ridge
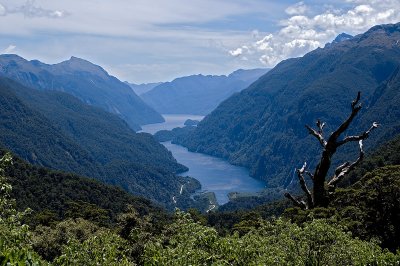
(84, 80)
(198, 94)
(262, 127)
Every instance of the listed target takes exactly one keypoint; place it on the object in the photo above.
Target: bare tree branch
(309, 174)
(300, 204)
(363, 136)
(303, 185)
(321, 188)
(345, 168)
(320, 127)
(356, 100)
(339, 169)
(318, 135)
(355, 108)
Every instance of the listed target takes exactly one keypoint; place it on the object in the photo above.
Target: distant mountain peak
(342, 37)
(11, 56)
(77, 60)
(79, 64)
(74, 58)
(84, 80)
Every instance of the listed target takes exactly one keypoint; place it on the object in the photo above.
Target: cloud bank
(301, 33)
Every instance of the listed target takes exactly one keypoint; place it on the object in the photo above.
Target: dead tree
(319, 197)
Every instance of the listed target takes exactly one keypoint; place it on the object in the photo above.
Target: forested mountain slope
(55, 196)
(56, 130)
(263, 126)
(84, 80)
(198, 94)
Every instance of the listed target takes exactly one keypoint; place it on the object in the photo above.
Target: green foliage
(138, 231)
(226, 220)
(273, 243)
(136, 240)
(369, 209)
(103, 249)
(385, 154)
(174, 134)
(15, 239)
(58, 131)
(49, 241)
(55, 196)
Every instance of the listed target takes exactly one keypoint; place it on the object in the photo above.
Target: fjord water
(215, 174)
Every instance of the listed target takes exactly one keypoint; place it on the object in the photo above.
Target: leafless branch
(322, 188)
(303, 185)
(356, 100)
(298, 203)
(362, 136)
(320, 127)
(355, 108)
(345, 168)
(309, 174)
(317, 134)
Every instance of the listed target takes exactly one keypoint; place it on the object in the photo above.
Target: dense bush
(135, 240)
(15, 243)
(278, 242)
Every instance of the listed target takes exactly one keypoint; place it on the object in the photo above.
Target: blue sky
(158, 40)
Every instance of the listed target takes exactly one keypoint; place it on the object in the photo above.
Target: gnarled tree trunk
(321, 188)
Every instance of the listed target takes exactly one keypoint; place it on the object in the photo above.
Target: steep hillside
(198, 94)
(86, 81)
(56, 130)
(33, 137)
(263, 126)
(55, 196)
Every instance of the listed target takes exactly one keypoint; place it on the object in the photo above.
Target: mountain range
(84, 80)
(139, 89)
(198, 94)
(262, 127)
(58, 131)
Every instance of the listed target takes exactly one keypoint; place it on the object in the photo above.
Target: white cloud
(297, 9)
(302, 33)
(30, 9)
(9, 49)
(236, 52)
(57, 14)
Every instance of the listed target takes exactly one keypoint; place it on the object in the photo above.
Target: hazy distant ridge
(198, 94)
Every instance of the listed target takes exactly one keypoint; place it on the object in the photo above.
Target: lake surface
(215, 174)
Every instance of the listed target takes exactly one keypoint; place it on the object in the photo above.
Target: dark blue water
(215, 174)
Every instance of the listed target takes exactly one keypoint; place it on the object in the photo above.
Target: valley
(214, 174)
(207, 133)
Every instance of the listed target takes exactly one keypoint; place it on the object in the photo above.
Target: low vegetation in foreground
(186, 239)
